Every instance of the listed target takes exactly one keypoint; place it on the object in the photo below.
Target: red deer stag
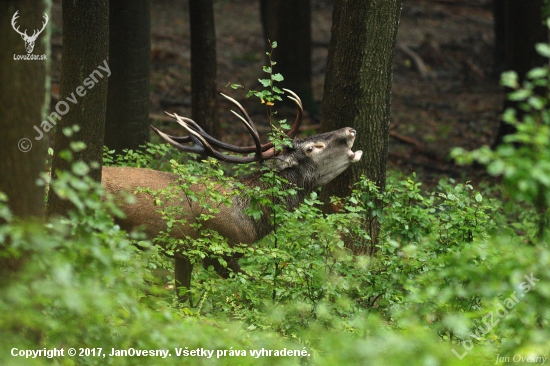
(310, 163)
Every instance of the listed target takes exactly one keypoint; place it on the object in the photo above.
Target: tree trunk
(24, 94)
(204, 105)
(289, 23)
(358, 91)
(84, 75)
(524, 29)
(499, 23)
(127, 124)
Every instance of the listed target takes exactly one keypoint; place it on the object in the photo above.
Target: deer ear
(279, 163)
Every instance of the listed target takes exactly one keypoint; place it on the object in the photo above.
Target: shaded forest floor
(452, 100)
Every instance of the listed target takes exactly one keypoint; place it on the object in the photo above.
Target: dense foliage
(458, 278)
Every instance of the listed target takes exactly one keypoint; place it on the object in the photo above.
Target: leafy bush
(439, 271)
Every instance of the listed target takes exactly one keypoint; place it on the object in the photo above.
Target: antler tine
(298, 121)
(253, 132)
(183, 139)
(241, 108)
(188, 120)
(206, 148)
(13, 23)
(197, 148)
(179, 139)
(46, 22)
(248, 123)
(36, 31)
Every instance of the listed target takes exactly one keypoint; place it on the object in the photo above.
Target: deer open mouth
(354, 157)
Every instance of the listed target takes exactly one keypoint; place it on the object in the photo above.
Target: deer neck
(295, 179)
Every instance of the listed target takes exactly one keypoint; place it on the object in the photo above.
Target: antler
(24, 34)
(36, 31)
(204, 144)
(298, 121)
(13, 19)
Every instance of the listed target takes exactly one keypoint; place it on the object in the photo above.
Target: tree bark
(127, 124)
(524, 29)
(204, 105)
(24, 97)
(357, 91)
(499, 26)
(289, 23)
(85, 49)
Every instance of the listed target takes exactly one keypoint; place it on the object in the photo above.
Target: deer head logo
(29, 40)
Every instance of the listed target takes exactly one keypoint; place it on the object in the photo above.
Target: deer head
(29, 40)
(313, 161)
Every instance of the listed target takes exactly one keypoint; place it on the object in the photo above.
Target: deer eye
(309, 149)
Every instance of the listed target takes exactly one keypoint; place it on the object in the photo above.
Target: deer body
(310, 163)
(231, 222)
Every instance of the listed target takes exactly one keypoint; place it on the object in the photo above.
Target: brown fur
(143, 213)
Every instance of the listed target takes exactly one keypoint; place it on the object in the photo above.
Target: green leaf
(520, 94)
(543, 49)
(274, 44)
(509, 116)
(67, 131)
(277, 77)
(509, 79)
(537, 73)
(80, 168)
(267, 69)
(265, 82)
(66, 155)
(77, 146)
(537, 102)
(496, 167)
(540, 176)
(277, 90)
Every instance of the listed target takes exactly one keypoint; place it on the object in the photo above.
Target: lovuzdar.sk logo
(29, 40)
